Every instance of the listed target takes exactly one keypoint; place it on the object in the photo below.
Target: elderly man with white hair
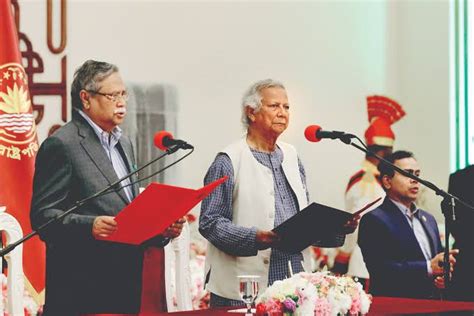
(266, 186)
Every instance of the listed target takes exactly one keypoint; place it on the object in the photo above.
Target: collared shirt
(109, 142)
(216, 213)
(413, 219)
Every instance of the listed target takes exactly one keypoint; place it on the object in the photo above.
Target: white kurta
(253, 206)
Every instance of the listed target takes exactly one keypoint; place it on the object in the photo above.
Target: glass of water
(248, 288)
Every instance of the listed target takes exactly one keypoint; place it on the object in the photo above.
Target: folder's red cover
(156, 208)
(363, 210)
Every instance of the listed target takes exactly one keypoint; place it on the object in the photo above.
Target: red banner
(18, 147)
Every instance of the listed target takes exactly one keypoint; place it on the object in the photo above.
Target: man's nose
(121, 101)
(282, 110)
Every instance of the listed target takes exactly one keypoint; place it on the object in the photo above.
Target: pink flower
(273, 306)
(355, 307)
(322, 308)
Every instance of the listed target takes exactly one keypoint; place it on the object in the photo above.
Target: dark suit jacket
(395, 261)
(461, 184)
(83, 274)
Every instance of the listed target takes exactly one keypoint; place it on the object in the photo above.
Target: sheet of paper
(156, 208)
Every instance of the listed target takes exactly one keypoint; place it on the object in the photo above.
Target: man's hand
(438, 260)
(174, 230)
(103, 226)
(439, 282)
(266, 239)
(351, 225)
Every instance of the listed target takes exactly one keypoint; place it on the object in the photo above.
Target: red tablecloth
(392, 305)
(380, 306)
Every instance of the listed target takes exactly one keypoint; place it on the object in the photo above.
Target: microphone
(314, 133)
(163, 140)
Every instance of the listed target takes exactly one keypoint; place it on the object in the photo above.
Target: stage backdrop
(330, 54)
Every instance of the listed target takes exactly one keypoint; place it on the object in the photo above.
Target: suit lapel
(431, 232)
(92, 146)
(127, 155)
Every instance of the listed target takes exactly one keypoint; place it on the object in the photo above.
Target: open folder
(314, 223)
(156, 208)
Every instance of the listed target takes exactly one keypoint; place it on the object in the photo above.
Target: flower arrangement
(319, 293)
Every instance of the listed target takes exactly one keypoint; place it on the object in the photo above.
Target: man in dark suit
(461, 185)
(85, 275)
(400, 243)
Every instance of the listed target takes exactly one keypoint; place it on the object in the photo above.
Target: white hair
(253, 96)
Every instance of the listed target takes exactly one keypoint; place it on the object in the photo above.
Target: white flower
(364, 303)
(339, 292)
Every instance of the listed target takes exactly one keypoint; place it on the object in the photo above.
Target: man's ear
(85, 98)
(250, 113)
(386, 182)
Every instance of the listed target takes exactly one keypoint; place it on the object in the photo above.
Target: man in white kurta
(266, 186)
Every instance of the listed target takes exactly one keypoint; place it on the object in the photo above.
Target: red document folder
(156, 208)
(365, 209)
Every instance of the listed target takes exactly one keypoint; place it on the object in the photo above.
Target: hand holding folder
(313, 223)
(156, 208)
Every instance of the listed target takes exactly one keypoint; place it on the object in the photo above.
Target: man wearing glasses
(400, 243)
(85, 275)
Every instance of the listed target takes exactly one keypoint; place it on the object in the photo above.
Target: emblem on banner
(17, 124)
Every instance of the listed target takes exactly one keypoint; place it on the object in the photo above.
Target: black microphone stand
(78, 204)
(447, 205)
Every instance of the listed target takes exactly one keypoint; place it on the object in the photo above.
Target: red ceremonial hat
(383, 112)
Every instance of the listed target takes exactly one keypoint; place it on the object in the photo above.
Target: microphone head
(310, 133)
(160, 138)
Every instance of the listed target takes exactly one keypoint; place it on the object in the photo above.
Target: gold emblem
(17, 123)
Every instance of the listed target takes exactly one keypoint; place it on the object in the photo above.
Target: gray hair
(253, 96)
(87, 77)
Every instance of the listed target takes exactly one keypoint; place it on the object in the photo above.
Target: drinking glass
(248, 288)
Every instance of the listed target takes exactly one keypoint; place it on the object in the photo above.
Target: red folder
(156, 208)
(363, 210)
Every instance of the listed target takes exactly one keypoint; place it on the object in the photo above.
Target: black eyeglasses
(114, 97)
